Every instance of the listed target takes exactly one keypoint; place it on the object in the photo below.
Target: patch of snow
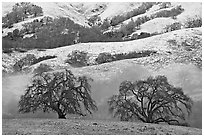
(154, 8)
(156, 25)
(191, 9)
(118, 8)
(28, 36)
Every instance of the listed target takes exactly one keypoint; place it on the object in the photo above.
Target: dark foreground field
(86, 127)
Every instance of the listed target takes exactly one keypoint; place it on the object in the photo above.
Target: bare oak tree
(152, 101)
(60, 92)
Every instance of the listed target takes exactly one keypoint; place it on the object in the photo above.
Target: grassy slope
(89, 127)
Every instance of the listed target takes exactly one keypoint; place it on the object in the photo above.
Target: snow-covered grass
(19, 25)
(191, 9)
(160, 43)
(156, 25)
(89, 127)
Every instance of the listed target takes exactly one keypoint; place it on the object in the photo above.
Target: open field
(89, 127)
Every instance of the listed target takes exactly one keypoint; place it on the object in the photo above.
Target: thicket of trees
(60, 92)
(51, 34)
(152, 101)
(20, 12)
(54, 33)
(107, 57)
(140, 10)
(193, 22)
(28, 60)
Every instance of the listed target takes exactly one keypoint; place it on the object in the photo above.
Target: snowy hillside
(166, 46)
(81, 12)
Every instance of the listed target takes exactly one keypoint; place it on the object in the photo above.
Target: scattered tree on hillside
(20, 11)
(60, 92)
(128, 28)
(135, 12)
(77, 58)
(193, 22)
(105, 24)
(152, 101)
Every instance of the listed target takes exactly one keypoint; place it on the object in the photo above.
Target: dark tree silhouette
(60, 92)
(152, 101)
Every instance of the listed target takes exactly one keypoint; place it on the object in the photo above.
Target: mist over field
(13, 86)
(186, 76)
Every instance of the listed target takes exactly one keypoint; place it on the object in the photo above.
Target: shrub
(193, 22)
(77, 58)
(42, 58)
(141, 20)
(107, 57)
(105, 24)
(104, 57)
(7, 51)
(21, 50)
(42, 68)
(94, 19)
(140, 10)
(16, 33)
(143, 35)
(29, 60)
(26, 61)
(134, 54)
(164, 5)
(128, 28)
(172, 27)
(168, 13)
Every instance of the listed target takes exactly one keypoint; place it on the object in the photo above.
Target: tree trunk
(61, 115)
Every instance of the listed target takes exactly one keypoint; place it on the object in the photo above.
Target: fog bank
(186, 76)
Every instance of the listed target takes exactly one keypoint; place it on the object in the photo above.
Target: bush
(193, 22)
(42, 58)
(164, 5)
(7, 50)
(168, 13)
(140, 10)
(42, 68)
(107, 57)
(172, 27)
(21, 50)
(143, 35)
(26, 61)
(104, 57)
(134, 54)
(77, 58)
(105, 24)
(128, 28)
(16, 33)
